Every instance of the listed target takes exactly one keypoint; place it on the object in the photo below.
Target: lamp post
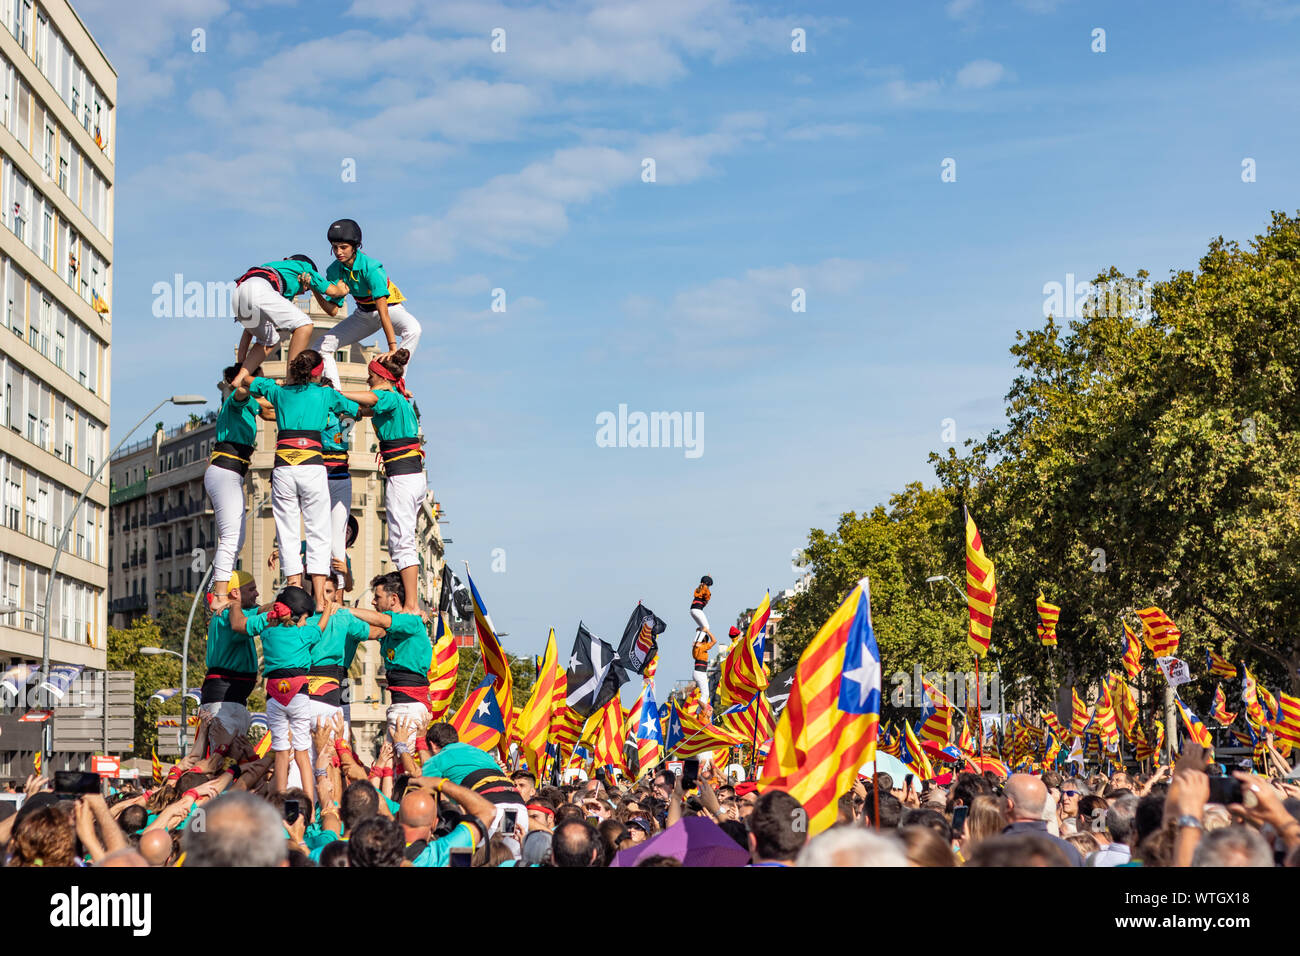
(936, 578)
(47, 742)
(185, 730)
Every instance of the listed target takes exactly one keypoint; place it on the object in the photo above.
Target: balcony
(129, 492)
(136, 602)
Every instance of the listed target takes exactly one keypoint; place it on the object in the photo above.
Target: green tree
(152, 673)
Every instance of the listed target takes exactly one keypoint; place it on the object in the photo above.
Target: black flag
(778, 691)
(594, 673)
(640, 639)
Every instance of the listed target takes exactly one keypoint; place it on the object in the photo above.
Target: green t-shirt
(290, 270)
(343, 632)
(284, 647)
(394, 416)
(228, 650)
(406, 644)
(366, 278)
(457, 761)
(438, 852)
(302, 407)
(237, 421)
(337, 434)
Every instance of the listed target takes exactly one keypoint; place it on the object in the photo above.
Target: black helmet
(706, 581)
(345, 230)
(307, 259)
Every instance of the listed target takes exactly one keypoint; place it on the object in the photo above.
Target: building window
(63, 174)
(47, 238)
(49, 151)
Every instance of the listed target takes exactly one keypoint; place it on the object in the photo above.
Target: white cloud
(958, 9)
(531, 207)
(980, 74)
(901, 91)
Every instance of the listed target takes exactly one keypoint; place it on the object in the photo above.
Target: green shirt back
(302, 407)
(237, 421)
(343, 632)
(289, 271)
(394, 416)
(406, 644)
(228, 650)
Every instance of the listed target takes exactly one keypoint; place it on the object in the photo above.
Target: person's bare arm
(1268, 809)
(114, 838)
(709, 798)
(471, 802)
(85, 825)
(329, 307)
(366, 399)
(675, 802)
(1187, 797)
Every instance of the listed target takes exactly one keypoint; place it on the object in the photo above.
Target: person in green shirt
(331, 655)
(224, 478)
(231, 668)
(299, 487)
(401, 448)
(378, 301)
(406, 649)
(263, 304)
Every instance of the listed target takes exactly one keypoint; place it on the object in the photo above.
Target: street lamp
(47, 743)
(936, 578)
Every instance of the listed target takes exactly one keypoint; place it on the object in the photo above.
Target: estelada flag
(1220, 712)
(828, 728)
(981, 590)
(1287, 726)
(478, 720)
(1048, 615)
(743, 674)
(1219, 666)
(495, 661)
(1195, 729)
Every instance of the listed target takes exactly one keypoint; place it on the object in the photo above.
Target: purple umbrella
(696, 841)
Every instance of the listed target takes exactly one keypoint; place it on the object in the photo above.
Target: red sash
(285, 689)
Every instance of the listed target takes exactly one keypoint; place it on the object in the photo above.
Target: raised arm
(366, 399)
(376, 619)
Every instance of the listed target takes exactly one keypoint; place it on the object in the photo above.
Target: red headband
(278, 610)
(540, 809)
(383, 373)
(319, 369)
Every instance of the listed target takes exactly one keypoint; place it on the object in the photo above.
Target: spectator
(891, 811)
(376, 842)
(1024, 848)
(851, 847)
(778, 829)
(1025, 797)
(1233, 846)
(575, 843)
(1120, 828)
(239, 830)
(924, 846)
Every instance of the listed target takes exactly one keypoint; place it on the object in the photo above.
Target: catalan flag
(696, 736)
(1219, 666)
(1220, 712)
(1195, 729)
(889, 742)
(1132, 654)
(1250, 698)
(981, 590)
(534, 721)
(1078, 714)
(1159, 632)
(37, 760)
(751, 720)
(1126, 706)
(743, 674)
(1287, 726)
(566, 729)
(495, 663)
(1269, 703)
(609, 736)
(1053, 722)
(1104, 715)
(965, 742)
(1048, 615)
(631, 715)
(478, 720)
(157, 766)
(1051, 747)
(99, 303)
(828, 728)
(442, 670)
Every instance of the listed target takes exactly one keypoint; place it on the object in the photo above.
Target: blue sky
(775, 170)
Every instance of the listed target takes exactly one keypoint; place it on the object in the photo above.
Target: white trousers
(235, 718)
(407, 710)
(301, 491)
(290, 726)
(702, 678)
(340, 507)
(226, 489)
(701, 622)
(264, 312)
(358, 327)
(403, 497)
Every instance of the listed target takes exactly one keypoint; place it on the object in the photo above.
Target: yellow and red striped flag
(1144, 749)
(692, 705)
(1048, 615)
(1078, 714)
(701, 737)
(1287, 726)
(1250, 698)
(1269, 703)
(914, 756)
(442, 670)
(1195, 729)
(1160, 633)
(889, 742)
(1126, 705)
(743, 674)
(752, 720)
(1220, 712)
(981, 590)
(37, 761)
(263, 745)
(610, 737)
(1132, 654)
(1219, 666)
(829, 725)
(157, 766)
(1054, 722)
(495, 663)
(965, 742)
(1104, 716)
(533, 725)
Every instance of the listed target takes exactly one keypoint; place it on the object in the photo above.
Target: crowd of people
(435, 801)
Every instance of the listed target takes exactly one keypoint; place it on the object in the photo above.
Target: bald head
(1027, 796)
(156, 846)
(419, 810)
(123, 857)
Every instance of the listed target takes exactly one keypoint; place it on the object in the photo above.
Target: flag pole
(875, 794)
(978, 712)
